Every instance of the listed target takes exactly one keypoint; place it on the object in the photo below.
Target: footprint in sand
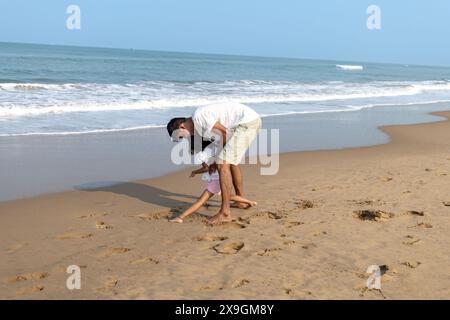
(30, 276)
(411, 240)
(110, 284)
(240, 283)
(143, 260)
(363, 202)
(385, 179)
(243, 220)
(274, 215)
(319, 233)
(100, 225)
(113, 251)
(73, 235)
(304, 204)
(29, 290)
(373, 215)
(228, 248)
(422, 225)
(411, 265)
(208, 288)
(210, 237)
(93, 215)
(154, 216)
(289, 242)
(367, 202)
(414, 213)
(259, 214)
(290, 224)
(268, 252)
(308, 245)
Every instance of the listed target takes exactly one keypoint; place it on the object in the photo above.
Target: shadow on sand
(143, 192)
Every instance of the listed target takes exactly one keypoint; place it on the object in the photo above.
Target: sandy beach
(320, 222)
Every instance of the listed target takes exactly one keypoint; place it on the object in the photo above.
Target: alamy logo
(259, 150)
(73, 22)
(374, 280)
(73, 282)
(374, 19)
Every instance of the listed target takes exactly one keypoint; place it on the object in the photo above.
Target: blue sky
(414, 31)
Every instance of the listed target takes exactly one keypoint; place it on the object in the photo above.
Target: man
(237, 126)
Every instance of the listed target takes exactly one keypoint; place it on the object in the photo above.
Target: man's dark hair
(174, 124)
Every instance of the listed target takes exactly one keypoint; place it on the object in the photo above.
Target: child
(212, 189)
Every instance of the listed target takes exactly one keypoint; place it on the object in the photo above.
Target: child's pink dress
(213, 183)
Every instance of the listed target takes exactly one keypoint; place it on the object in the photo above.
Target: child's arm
(203, 169)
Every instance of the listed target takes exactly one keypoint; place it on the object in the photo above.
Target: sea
(65, 90)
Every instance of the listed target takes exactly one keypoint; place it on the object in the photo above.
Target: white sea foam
(349, 67)
(72, 108)
(65, 133)
(41, 99)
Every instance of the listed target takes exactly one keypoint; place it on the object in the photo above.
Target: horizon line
(222, 54)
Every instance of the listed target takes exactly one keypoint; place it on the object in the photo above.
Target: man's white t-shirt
(229, 114)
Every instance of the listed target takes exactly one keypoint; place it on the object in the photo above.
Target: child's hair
(195, 145)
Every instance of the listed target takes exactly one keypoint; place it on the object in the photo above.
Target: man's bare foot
(240, 205)
(219, 218)
(176, 220)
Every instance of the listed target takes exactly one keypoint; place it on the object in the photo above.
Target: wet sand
(36, 165)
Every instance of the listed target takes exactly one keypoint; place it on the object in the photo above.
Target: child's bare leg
(243, 200)
(197, 205)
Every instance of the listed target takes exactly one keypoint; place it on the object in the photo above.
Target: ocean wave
(40, 99)
(66, 133)
(349, 67)
(10, 86)
(31, 100)
(346, 108)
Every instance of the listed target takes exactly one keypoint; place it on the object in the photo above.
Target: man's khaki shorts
(242, 137)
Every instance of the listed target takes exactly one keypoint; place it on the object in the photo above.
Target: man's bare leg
(236, 175)
(238, 183)
(224, 214)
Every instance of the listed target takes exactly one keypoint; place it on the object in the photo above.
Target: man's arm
(218, 127)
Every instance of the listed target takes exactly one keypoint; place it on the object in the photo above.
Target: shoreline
(83, 161)
(320, 222)
(161, 126)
